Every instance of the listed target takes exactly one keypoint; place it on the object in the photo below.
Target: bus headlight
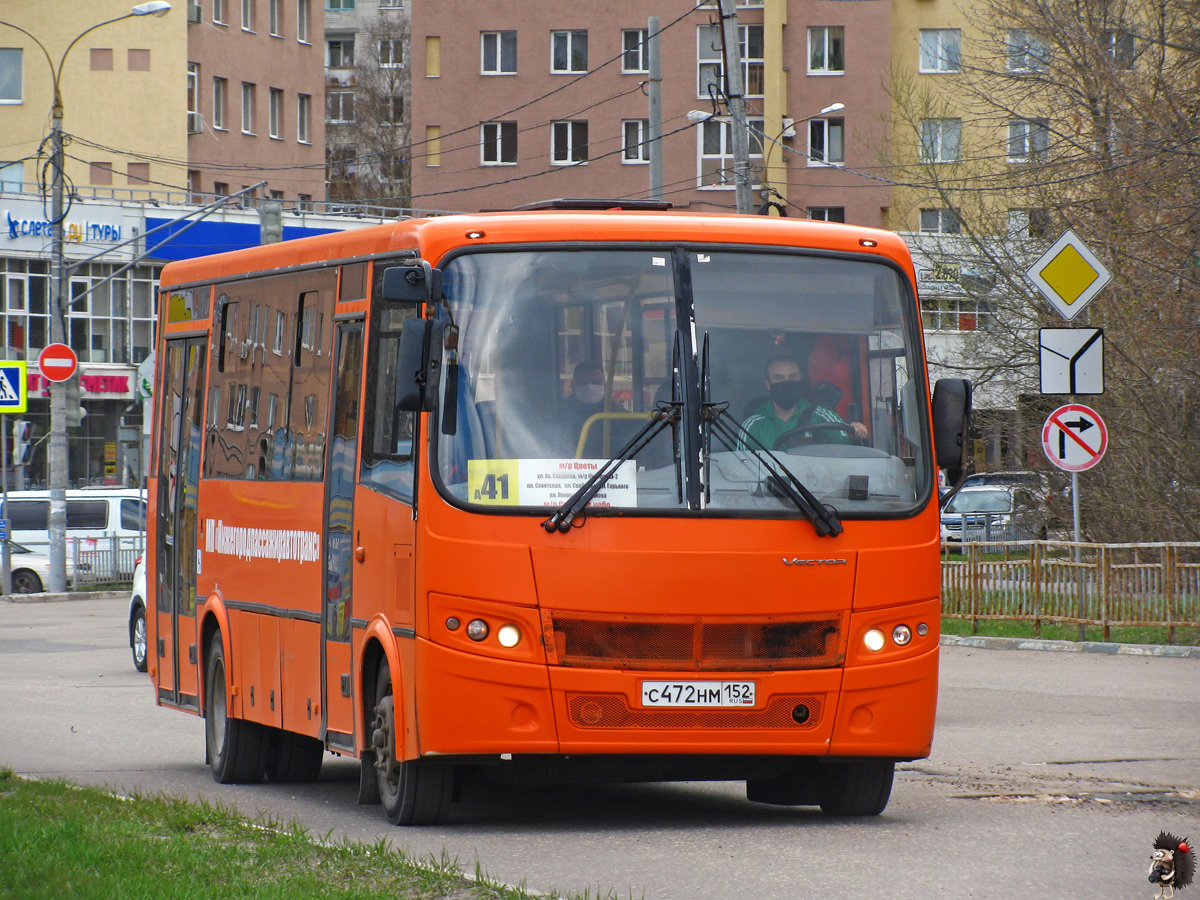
(874, 640)
(508, 636)
(477, 629)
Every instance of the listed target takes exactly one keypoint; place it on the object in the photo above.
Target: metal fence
(108, 560)
(1101, 585)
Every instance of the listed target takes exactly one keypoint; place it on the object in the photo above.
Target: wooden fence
(1102, 585)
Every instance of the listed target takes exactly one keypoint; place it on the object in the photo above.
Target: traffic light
(75, 410)
(270, 221)
(21, 445)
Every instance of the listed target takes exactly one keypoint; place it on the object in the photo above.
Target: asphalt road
(1051, 774)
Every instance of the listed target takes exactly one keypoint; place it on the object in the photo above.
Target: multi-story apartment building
(366, 101)
(530, 99)
(255, 87)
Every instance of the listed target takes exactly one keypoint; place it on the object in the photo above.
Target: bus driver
(791, 406)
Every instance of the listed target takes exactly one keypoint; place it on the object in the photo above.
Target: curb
(67, 597)
(980, 642)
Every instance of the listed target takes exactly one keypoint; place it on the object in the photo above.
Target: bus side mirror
(417, 282)
(951, 418)
(417, 364)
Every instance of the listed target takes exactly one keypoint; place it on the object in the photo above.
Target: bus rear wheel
(293, 757)
(236, 749)
(412, 792)
(854, 788)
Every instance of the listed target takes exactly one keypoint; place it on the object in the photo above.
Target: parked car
(31, 569)
(137, 615)
(1051, 488)
(994, 513)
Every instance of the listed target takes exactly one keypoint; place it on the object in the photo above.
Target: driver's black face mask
(787, 394)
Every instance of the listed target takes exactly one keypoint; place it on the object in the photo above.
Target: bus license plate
(697, 693)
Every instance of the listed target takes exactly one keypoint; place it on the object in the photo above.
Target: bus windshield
(766, 358)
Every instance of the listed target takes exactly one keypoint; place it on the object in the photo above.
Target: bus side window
(388, 433)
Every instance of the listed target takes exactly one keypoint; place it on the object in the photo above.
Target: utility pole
(654, 128)
(735, 94)
(58, 393)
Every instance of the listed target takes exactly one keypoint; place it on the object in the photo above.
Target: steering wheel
(803, 434)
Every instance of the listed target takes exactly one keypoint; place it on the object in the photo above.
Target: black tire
(857, 788)
(413, 792)
(236, 748)
(293, 758)
(26, 581)
(137, 637)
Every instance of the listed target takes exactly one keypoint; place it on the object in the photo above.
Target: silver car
(994, 513)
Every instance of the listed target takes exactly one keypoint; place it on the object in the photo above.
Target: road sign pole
(5, 556)
(1078, 553)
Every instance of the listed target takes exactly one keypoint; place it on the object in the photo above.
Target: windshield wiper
(824, 517)
(666, 413)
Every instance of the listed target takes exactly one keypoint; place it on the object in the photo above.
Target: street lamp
(789, 125)
(58, 405)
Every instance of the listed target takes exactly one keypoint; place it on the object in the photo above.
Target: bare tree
(1093, 109)
(368, 141)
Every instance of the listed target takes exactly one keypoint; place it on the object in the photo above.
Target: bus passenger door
(337, 718)
(173, 647)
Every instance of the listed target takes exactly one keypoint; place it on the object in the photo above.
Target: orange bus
(495, 491)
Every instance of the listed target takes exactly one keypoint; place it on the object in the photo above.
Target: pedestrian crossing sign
(14, 398)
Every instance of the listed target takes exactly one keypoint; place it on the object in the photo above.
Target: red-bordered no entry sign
(1074, 437)
(57, 362)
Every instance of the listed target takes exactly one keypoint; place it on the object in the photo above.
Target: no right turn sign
(1074, 437)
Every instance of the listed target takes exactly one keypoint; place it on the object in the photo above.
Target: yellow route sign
(1069, 275)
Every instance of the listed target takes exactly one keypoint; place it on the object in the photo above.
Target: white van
(108, 524)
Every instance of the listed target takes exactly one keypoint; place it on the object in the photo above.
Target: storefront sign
(95, 385)
(25, 225)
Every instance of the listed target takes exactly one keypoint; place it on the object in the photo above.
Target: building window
(391, 53)
(636, 134)
(710, 64)
(247, 15)
(568, 52)
(498, 50)
(954, 313)
(433, 56)
(220, 92)
(393, 110)
(275, 113)
(11, 81)
(569, 142)
(1026, 51)
(940, 140)
(1119, 45)
(302, 21)
(1028, 223)
(827, 213)
(498, 143)
(247, 108)
(826, 50)
(941, 50)
(339, 107)
(100, 172)
(303, 114)
(218, 15)
(940, 221)
(137, 60)
(304, 202)
(1028, 140)
(827, 142)
(12, 177)
(433, 145)
(391, 4)
(634, 53)
(275, 17)
(193, 87)
(716, 151)
(220, 189)
(101, 59)
(339, 4)
(340, 52)
(137, 173)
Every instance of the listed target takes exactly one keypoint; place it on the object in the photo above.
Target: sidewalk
(69, 595)
(983, 642)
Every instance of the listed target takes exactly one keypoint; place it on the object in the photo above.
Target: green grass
(1053, 631)
(59, 841)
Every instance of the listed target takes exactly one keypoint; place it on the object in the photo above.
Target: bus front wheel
(237, 749)
(854, 788)
(412, 792)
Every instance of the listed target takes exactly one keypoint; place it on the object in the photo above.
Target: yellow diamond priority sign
(1069, 275)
